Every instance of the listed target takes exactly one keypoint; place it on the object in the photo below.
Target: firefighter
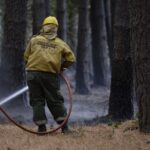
(45, 57)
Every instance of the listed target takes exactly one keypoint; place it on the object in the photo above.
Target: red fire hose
(53, 130)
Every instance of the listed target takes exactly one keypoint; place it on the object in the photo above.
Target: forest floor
(125, 136)
(90, 132)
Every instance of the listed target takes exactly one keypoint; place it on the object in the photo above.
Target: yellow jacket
(47, 55)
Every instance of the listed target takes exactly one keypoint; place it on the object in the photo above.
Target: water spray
(24, 89)
(14, 95)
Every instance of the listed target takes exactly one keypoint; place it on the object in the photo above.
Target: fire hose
(53, 130)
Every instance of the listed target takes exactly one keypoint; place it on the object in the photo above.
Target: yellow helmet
(50, 20)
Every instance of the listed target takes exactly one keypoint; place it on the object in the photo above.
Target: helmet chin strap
(50, 28)
(49, 36)
(49, 31)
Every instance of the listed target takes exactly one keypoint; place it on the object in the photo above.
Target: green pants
(44, 88)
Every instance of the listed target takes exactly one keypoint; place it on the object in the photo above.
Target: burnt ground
(87, 109)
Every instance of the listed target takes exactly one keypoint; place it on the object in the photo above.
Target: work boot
(42, 128)
(65, 129)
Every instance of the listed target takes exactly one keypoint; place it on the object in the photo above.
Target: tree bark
(82, 48)
(47, 8)
(120, 101)
(1, 25)
(39, 14)
(98, 41)
(108, 22)
(13, 46)
(29, 27)
(140, 44)
(72, 25)
(62, 18)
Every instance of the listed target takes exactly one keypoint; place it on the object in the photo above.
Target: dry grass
(101, 137)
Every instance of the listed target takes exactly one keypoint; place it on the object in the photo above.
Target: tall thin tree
(13, 46)
(72, 24)
(1, 25)
(47, 7)
(40, 10)
(82, 48)
(62, 18)
(108, 18)
(98, 41)
(120, 101)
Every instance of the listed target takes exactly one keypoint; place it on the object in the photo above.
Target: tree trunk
(29, 28)
(82, 48)
(98, 41)
(72, 25)
(107, 7)
(120, 101)
(140, 44)
(47, 8)
(1, 25)
(39, 14)
(13, 46)
(62, 18)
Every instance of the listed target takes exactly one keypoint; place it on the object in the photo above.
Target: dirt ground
(101, 137)
(125, 136)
